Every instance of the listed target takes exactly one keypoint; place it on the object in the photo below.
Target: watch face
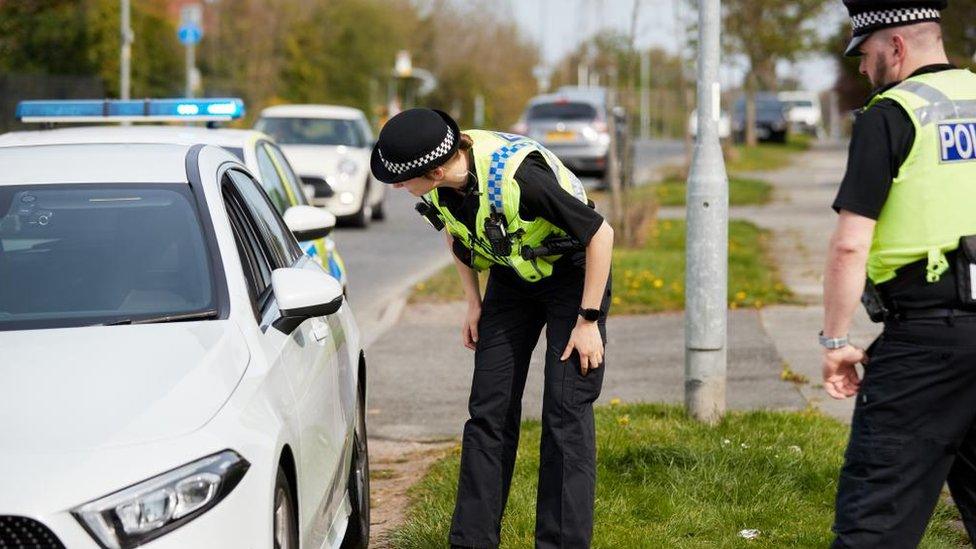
(590, 314)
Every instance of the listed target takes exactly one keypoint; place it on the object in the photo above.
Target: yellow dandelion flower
(757, 304)
(623, 420)
(739, 296)
(614, 402)
(733, 305)
(658, 283)
(616, 300)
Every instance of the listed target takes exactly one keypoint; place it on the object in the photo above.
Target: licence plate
(560, 136)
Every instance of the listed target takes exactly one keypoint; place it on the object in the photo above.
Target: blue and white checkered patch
(957, 141)
(496, 171)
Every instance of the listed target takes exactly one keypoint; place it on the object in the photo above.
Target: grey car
(571, 123)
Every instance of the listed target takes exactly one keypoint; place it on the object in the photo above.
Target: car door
(308, 355)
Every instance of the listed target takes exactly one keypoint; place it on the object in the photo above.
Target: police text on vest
(958, 140)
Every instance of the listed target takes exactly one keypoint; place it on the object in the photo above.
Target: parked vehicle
(329, 146)
(771, 123)
(803, 111)
(572, 123)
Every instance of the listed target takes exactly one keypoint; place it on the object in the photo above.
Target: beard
(879, 73)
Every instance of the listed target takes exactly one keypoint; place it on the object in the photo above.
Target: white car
(329, 147)
(803, 111)
(175, 372)
(256, 150)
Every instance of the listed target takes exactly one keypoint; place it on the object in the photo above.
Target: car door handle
(320, 330)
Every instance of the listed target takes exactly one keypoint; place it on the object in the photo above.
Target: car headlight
(348, 167)
(154, 507)
(347, 198)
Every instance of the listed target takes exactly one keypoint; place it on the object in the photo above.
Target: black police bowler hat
(412, 143)
(868, 16)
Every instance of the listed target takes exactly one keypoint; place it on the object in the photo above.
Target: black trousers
(512, 318)
(912, 430)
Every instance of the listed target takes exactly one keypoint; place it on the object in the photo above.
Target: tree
(765, 32)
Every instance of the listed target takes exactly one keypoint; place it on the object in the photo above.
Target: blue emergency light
(134, 110)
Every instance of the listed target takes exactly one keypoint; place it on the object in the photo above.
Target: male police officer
(906, 205)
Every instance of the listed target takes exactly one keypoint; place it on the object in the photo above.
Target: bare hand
(586, 340)
(839, 374)
(469, 332)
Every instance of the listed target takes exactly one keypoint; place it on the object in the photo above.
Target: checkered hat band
(888, 18)
(402, 167)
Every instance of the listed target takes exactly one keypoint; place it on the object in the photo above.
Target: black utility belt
(879, 302)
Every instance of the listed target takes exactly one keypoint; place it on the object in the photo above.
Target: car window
(272, 183)
(254, 260)
(311, 131)
(73, 255)
(290, 178)
(562, 111)
(281, 245)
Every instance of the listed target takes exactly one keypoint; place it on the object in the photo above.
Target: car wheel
(379, 214)
(357, 533)
(283, 517)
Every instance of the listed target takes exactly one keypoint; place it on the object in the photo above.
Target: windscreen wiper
(200, 315)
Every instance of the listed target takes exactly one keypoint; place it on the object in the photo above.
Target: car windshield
(561, 111)
(799, 103)
(764, 107)
(74, 255)
(312, 131)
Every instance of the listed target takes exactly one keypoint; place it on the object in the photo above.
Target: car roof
(182, 135)
(95, 163)
(575, 97)
(313, 111)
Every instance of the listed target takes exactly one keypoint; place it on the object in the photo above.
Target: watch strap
(590, 315)
(834, 342)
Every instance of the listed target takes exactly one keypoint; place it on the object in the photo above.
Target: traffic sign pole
(191, 65)
(125, 58)
(190, 33)
(706, 274)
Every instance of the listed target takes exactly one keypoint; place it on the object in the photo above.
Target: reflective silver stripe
(941, 112)
(926, 92)
(575, 182)
(940, 107)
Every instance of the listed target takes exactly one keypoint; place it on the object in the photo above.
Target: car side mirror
(302, 294)
(309, 222)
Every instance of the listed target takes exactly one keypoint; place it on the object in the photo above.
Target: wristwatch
(833, 342)
(590, 315)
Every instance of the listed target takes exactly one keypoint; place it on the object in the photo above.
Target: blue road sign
(190, 33)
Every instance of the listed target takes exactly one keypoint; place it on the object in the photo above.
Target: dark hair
(465, 143)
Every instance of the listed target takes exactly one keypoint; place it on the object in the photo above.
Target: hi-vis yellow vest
(932, 202)
(497, 157)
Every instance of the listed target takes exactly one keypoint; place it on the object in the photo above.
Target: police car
(329, 146)
(258, 152)
(176, 371)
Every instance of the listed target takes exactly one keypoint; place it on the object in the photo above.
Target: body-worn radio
(501, 244)
(430, 214)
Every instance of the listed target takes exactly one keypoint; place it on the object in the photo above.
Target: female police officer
(510, 207)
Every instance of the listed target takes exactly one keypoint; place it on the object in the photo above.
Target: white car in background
(803, 111)
(256, 150)
(175, 371)
(329, 147)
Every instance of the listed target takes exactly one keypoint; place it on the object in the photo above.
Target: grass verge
(651, 278)
(668, 481)
(765, 156)
(742, 192)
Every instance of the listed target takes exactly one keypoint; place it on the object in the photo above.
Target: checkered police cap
(868, 16)
(412, 143)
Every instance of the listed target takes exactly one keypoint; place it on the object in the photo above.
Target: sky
(560, 25)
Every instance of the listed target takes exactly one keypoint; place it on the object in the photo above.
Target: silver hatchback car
(571, 123)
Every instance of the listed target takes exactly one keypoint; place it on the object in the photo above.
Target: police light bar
(135, 110)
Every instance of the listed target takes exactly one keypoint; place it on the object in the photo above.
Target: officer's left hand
(586, 340)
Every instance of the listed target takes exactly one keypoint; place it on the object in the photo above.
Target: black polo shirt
(541, 197)
(882, 137)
